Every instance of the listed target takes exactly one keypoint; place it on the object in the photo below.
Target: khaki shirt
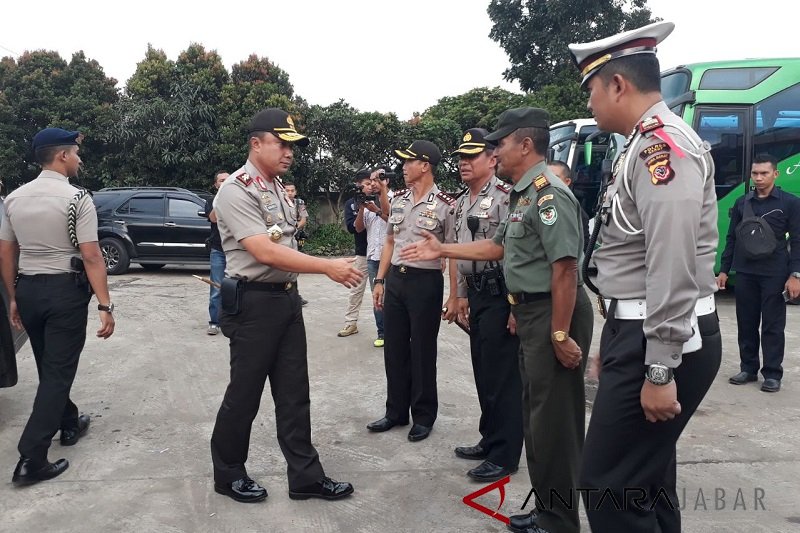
(408, 220)
(490, 208)
(543, 225)
(665, 252)
(36, 218)
(248, 204)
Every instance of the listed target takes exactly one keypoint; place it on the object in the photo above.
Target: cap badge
(467, 137)
(289, 121)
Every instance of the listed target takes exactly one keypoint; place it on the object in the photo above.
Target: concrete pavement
(153, 390)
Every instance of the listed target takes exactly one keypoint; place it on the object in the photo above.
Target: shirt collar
(527, 178)
(658, 108)
(53, 175)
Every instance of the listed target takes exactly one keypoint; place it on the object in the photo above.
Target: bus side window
(723, 128)
(777, 132)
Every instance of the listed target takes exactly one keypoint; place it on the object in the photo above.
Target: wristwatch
(659, 374)
(560, 336)
(107, 308)
(795, 275)
(379, 281)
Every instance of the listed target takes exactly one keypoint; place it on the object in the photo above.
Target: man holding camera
(481, 302)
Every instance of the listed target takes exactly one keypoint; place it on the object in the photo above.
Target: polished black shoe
(384, 424)
(69, 437)
(29, 471)
(525, 523)
(487, 472)
(243, 490)
(742, 377)
(418, 433)
(472, 452)
(771, 385)
(327, 489)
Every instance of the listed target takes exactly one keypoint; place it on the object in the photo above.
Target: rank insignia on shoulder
(661, 172)
(446, 197)
(244, 178)
(540, 182)
(543, 199)
(503, 186)
(650, 124)
(654, 149)
(548, 215)
(524, 202)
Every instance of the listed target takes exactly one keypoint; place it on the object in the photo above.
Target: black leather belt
(286, 286)
(516, 298)
(43, 278)
(404, 270)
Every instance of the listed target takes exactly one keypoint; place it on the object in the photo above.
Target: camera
(386, 175)
(360, 197)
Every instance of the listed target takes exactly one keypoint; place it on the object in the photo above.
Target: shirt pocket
(516, 230)
(429, 224)
(396, 218)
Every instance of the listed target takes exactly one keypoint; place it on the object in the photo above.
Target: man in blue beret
(52, 227)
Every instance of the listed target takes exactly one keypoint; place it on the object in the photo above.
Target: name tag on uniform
(516, 217)
(482, 214)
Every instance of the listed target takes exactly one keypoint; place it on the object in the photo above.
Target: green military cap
(473, 142)
(511, 120)
(591, 57)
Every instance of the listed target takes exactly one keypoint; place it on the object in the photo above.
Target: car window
(144, 206)
(183, 208)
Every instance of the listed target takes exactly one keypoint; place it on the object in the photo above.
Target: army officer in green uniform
(540, 243)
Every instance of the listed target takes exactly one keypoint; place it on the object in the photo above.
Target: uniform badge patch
(661, 172)
(515, 217)
(275, 233)
(261, 184)
(548, 215)
(650, 124)
(544, 199)
(654, 149)
(540, 182)
(486, 203)
(524, 202)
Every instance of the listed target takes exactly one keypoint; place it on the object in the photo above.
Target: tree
(535, 33)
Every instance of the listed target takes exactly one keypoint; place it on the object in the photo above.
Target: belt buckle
(512, 299)
(287, 286)
(601, 306)
(403, 269)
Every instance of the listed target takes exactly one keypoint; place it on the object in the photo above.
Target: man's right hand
(342, 271)
(370, 206)
(13, 314)
(106, 325)
(377, 296)
(722, 280)
(568, 353)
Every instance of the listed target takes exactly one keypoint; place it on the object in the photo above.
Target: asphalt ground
(154, 388)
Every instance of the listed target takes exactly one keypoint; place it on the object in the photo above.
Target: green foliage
(535, 33)
(329, 239)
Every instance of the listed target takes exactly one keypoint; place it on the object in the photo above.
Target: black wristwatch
(107, 308)
(379, 281)
(659, 374)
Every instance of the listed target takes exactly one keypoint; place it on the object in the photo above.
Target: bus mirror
(587, 153)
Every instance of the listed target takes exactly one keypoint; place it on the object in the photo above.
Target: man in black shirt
(217, 258)
(762, 282)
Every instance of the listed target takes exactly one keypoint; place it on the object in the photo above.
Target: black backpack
(754, 234)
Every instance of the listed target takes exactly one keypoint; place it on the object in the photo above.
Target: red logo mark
(469, 499)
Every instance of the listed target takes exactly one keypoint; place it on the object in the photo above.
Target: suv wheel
(115, 255)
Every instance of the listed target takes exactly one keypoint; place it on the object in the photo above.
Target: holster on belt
(231, 290)
(81, 278)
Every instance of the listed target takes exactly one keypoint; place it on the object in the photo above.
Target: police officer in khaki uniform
(541, 243)
(412, 298)
(481, 303)
(660, 349)
(262, 317)
(52, 225)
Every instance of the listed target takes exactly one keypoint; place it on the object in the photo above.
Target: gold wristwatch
(560, 336)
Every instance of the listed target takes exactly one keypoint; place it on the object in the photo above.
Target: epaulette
(650, 124)
(541, 182)
(398, 194)
(449, 200)
(503, 186)
(244, 179)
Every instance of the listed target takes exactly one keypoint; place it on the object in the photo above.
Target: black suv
(152, 226)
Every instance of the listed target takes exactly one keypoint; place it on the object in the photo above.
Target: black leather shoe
(742, 377)
(384, 424)
(472, 452)
(771, 385)
(487, 471)
(29, 471)
(418, 433)
(327, 489)
(525, 523)
(69, 437)
(243, 490)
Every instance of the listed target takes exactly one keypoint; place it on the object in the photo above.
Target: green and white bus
(741, 108)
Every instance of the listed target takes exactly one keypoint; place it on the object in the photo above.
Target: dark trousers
(759, 299)
(412, 311)
(54, 311)
(554, 407)
(628, 459)
(267, 340)
(495, 364)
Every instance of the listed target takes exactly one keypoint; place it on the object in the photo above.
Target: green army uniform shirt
(543, 226)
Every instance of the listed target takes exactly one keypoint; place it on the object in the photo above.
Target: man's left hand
(450, 310)
(660, 402)
(568, 353)
(793, 286)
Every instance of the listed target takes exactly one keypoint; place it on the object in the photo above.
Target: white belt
(637, 309)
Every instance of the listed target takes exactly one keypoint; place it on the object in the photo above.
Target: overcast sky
(378, 55)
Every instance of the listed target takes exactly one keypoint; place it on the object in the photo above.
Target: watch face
(659, 374)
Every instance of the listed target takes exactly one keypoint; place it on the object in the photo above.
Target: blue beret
(54, 137)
